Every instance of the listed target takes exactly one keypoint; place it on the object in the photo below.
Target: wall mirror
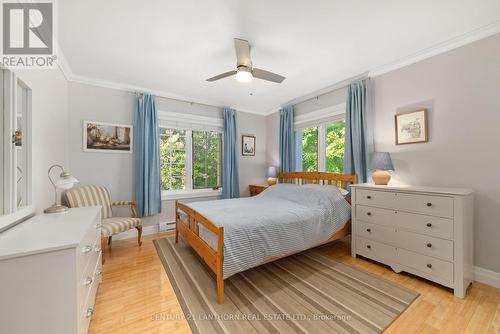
(16, 199)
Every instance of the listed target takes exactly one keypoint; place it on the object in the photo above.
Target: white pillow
(343, 191)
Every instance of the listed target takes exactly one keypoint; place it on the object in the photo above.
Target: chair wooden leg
(103, 247)
(139, 234)
(109, 240)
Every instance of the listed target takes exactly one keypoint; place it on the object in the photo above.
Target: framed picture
(107, 137)
(248, 145)
(411, 127)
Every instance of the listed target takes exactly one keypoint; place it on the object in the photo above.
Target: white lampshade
(66, 181)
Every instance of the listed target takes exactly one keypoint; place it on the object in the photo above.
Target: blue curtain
(147, 157)
(358, 129)
(287, 140)
(230, 179)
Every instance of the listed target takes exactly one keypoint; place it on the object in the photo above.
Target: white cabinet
(425, 231)
(50, 269)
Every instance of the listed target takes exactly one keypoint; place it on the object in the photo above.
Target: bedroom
(127, 108)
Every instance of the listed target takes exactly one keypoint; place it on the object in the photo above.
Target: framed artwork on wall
(248, 145)
(411, 127)
(107, 137)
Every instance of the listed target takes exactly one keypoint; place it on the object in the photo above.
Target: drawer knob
(429, 225)
(368, 197)
(86, 249)
(429, 245)
(368, 213)
(368, 246)
(429, 265)
(429, 204)
(88, 281)
(90, 312)
(368, 230)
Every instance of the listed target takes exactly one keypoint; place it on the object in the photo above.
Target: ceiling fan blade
(266, 75)
(242, 52)
(221, 76)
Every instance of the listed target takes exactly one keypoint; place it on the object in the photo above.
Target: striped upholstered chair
(96, 195)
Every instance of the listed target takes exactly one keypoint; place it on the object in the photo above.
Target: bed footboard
(190, 232)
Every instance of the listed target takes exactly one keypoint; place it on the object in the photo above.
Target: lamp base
(381, 177)
(272, 181)
(56, 209)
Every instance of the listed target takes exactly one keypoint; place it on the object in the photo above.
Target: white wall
(116, 170)
(461, 88)
(50, 129)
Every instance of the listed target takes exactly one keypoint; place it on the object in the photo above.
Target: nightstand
(257, 188)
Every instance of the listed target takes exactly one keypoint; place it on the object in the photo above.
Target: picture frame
(102, 137)
(248, 145)
(411, 127)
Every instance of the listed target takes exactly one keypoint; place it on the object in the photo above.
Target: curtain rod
(323, 91)
(138, 93)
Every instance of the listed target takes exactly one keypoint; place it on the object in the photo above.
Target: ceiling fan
(244, 70)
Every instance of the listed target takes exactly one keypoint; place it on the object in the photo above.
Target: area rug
(304, 293)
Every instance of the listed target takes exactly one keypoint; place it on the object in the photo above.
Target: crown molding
(448, 45)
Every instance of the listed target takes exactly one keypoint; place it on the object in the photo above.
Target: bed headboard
(339, 180)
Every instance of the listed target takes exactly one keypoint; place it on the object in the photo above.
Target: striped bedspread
(285, 218)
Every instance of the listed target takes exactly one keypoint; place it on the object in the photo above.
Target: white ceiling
(173, 46)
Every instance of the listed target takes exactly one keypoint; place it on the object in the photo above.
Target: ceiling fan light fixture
(244, 74)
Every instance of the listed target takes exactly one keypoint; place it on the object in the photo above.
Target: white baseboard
(146, 230)
(486, 276)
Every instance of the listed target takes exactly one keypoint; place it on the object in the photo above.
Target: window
(190, 159)
(173, 159)
(309, 149)
(335, 135)
(321, 148)
(207, 159)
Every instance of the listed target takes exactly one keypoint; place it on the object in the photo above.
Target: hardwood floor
(136, 297)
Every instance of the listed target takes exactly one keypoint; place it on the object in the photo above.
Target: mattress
(284, 219)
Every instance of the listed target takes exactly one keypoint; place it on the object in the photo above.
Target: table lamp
(65, 181)
(272, 174)
(381, 163)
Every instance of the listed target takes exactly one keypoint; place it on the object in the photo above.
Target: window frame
(321, 125)
(189, 123)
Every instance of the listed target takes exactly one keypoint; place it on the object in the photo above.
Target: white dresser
(425, 231)
(50, 268)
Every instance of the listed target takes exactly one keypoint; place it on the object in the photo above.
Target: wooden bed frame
(215, 258)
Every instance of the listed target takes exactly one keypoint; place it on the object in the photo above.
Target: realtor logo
(28, 34)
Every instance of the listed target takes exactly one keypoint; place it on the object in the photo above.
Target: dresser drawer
(87, 309)
(382, 199)
(369, 214)
(375, 250)
(375, 232)
(87, 292)
(443, 270)
(90, 244)
(429, 225)
(424, 224)
(435, 247)
(91, 274)
(427, 204)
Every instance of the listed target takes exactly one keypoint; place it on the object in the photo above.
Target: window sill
(183, 194)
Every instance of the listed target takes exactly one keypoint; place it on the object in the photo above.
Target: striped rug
(304, 293)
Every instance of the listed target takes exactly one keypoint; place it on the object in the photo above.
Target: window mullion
(322, 148)
(189, 159)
